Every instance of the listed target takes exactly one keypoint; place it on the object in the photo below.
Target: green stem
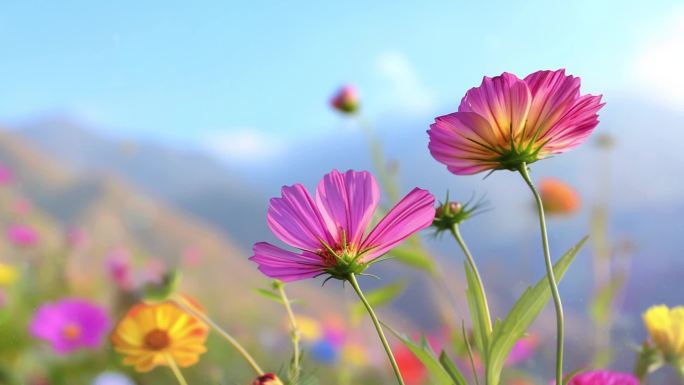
(176, 370)
(188, 307)
(378, 327)
(560, 324)
(294, 330)
(471, 261)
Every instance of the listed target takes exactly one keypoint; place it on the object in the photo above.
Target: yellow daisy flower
(151, 335)
(666, 328)
(8, 275)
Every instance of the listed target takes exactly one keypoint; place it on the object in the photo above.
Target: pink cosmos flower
(330, 229)
(507, 121)
(604, 377)
(23, 235)
(346, 100)
(70, 324)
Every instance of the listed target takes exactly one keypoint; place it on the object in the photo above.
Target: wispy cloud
(404, 88)
(243, 145)
(657, 66)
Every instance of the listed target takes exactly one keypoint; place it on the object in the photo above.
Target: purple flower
(70, 324)
(331, 230)
(604, 377)
(23, 235)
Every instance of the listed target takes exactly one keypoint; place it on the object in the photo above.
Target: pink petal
(553, 93)
(461, 141)
(286, 265)
(413, 213)
(504, 101)
(574, 127)
(347, 202)
(295, 219)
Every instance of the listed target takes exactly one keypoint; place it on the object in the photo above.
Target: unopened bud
(267, 379)
(346, 100)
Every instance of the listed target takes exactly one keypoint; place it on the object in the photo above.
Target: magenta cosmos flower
(330, 229)
(70, 324)
(506, 122)
(604, 377)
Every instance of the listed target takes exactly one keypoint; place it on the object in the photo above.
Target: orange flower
(558, 197)
(151, 335)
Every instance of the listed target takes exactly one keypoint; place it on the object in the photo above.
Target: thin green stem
(378, 327)
(294, 330)
(188, 307)
(560, 324)
(176, 370)
(471, 261)
(470, 354)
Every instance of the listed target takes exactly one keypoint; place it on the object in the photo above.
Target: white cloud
(404, 89)
(243, 145)
(658, 65)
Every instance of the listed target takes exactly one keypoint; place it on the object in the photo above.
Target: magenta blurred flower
(604, 377)
(523, 350)
(119, 267)
(346, 100)
(507, 121)
(23, 235)
(6, 175)
(331, 232)
(70, 324)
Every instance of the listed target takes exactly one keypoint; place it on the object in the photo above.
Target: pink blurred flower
(153, 270)
(6, 175)
(76, 237)
(192, 256)
(118, 265)
(22, 206)
(523, 350)
(70, 324)
(604, 377)
(507, 121)
(23, 235)
(331, 232)
(346, 100)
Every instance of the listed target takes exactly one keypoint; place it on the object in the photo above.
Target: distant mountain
(115, 214)
(191, 181)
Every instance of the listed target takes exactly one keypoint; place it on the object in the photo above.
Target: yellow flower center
(157, 339)
(71, 332)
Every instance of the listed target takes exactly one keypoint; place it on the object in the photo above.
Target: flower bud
(452, 213)
(267, 379)
(346, 100)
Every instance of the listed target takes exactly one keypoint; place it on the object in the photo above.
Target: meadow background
(162, 129)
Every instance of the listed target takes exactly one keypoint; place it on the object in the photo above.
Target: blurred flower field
(122, 299)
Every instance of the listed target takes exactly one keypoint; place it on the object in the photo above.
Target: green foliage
(422, 350)
(451, 369)
(526, 309)
(161, 291)
(378, 297)
(478, 312)
(414, 257)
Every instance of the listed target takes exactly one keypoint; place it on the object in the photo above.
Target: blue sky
(263, 71)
